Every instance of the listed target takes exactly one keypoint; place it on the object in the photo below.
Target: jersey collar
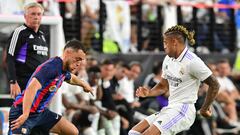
(32, 29)
(181, 56)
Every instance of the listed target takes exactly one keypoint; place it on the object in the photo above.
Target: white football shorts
(173, 119)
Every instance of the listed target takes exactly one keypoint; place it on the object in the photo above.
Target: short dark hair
(94, 69)
(221, 61)
(125, 65)
(75, 45)
(107, 62)
(135, 63)
(157, 67)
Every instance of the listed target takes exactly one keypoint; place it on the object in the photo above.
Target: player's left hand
(206, 112)
(18, 122)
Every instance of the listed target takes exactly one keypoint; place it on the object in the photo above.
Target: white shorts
(173, 118)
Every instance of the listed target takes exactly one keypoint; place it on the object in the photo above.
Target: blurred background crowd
(125, 50)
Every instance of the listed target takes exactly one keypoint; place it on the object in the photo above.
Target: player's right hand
(142, 92)
(14, 89)
(88, 88)
(206, 112)
(18, 122)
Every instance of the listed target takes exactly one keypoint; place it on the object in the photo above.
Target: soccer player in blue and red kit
(29, 109)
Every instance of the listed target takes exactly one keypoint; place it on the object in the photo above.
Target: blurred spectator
(238, 24)
(91, 61)
(126, 90)
(82, 71)
(78, 111)
(3, 66)
(51, 8)
(224, 14)
(221, 112)
(186, 12)
(70, 9)
(203, 28)
(150, 14)
(126, 85)
(13, 6)
(94, 75)
(123, 107)
(227, 85)
(134, 43)
(90, 24)
(110, 118)
(149, 83)
(223, 25)
(169, 11)
(77, 105)
(227, 92)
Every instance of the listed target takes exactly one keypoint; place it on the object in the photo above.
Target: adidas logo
(31, 36)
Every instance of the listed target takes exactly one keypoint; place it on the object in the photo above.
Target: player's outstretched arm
(76, 81)
(213, 84)
(158, 89)
(28, 98)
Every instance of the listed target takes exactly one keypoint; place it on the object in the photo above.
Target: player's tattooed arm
(213, 84)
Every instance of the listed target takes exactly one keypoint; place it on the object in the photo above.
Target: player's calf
(64, 127)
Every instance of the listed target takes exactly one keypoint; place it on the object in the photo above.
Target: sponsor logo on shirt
(31, 36)
(166, 67)
(24, 130)
(41, 50)
(174, 81)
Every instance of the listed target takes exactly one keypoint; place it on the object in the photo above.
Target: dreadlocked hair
(179, 29)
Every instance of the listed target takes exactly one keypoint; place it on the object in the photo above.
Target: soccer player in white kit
(182, 73)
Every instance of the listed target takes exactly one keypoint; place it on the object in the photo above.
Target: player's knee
(75, 131)
(133, 132)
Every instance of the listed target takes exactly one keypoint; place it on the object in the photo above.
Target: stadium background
(144, 25)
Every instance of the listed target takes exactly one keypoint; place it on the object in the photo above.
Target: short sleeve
(45, 73)
(164, 67)
(199, 69)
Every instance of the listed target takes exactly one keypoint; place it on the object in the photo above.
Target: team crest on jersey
(166, 67)
(52, 88)
(181, 71)
(24, 130)
(156, 113)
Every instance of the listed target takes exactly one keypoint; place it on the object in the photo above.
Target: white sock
(133, 132)
(139, 116)
(95, 119)
(89, 131)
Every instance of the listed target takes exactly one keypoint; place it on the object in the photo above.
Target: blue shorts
(42, 121)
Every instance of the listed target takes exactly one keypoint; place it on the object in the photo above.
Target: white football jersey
(184, 76)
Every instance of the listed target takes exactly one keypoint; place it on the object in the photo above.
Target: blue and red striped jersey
(51, 76)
